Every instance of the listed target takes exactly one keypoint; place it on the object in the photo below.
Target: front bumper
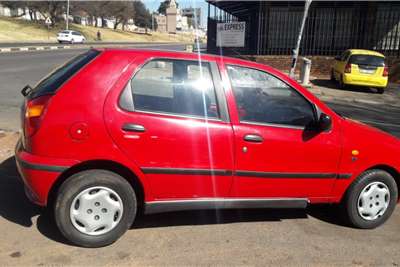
(39, 173)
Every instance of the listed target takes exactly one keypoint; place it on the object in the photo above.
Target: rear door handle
(255, 138)
(131, 127)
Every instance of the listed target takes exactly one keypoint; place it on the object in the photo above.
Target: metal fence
(331, 27)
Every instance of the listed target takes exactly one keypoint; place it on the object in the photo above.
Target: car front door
(172, 121)
(276, 155)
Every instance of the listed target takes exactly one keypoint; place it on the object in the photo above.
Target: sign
(231, 34)
(48, 21)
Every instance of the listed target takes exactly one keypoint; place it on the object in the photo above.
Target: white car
(70, 37)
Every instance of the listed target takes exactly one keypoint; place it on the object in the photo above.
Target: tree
(142, 15)
(122, 11)
(162, 9)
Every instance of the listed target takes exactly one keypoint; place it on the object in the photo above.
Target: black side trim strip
(285, 175)
(344, 176)
(224, 203)
(186, 171)
(183, 171)
(41, 167)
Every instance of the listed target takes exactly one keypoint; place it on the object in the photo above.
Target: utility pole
(296, 50)
(67, 15)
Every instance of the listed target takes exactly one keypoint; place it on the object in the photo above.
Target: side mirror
(337, 58)
(324, 123)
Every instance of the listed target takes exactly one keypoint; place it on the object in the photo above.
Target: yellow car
(362, 68)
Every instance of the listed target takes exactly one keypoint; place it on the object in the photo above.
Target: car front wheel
(94, 208)
(371, 199)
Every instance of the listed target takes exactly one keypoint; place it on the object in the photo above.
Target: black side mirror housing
(324, 123)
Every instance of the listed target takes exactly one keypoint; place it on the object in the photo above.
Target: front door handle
(131, 127)
(255, 138)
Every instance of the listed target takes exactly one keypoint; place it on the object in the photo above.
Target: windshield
(55, 79)
(367, 60)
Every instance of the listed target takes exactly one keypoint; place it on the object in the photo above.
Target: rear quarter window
(53, 81)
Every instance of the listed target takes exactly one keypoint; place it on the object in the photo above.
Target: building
(271, 27)
(171, 17)
(161, 23)
(194, 16)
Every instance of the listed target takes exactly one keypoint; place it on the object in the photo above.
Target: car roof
(184, 55)
(365, 52)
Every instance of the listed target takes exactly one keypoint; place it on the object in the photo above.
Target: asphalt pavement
(317, 236)
(86, 43)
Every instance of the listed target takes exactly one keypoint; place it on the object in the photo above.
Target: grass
(18, 30)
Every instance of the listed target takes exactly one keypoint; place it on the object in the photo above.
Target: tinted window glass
(263, 98)
(345, 56)
(176, 87)
(54, 80)
(367, 60)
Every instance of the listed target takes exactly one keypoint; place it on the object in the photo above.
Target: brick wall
(321, 65)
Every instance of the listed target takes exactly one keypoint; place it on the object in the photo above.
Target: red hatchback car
(114, 132)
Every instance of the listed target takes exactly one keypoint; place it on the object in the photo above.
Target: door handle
(131, 127)
(255, 138)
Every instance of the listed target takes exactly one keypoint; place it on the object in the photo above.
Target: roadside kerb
(57, 47)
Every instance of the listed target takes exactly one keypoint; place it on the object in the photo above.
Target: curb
(59, 47)
(33, 48)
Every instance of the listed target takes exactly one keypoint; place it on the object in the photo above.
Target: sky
(153, 5)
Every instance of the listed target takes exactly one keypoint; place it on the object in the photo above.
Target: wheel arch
(109, 165)
(391, 170)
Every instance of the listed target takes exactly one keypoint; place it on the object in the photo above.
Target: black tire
(342, 85)
(352, 197)
(332, 76)
(380, 90)
(78, 183)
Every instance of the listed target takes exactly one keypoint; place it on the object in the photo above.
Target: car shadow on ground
(16, 208)
(327, 213)
(327, 83)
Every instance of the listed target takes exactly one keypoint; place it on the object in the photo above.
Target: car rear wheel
(332, 76)
(371, 199)
(342, 85)
(94, 208)
(380, 90)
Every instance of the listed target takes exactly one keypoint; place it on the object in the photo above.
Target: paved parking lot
(316, 236)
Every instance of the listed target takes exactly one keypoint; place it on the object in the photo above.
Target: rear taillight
(385, 71)
(34, 111)
(347, 69)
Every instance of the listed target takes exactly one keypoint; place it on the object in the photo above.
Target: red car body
(185, 158)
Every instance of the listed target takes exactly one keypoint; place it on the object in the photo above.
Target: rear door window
(55, 79)
(367, 60)
(178, 87)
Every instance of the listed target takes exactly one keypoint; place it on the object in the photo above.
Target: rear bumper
(39, 173)
(364, 80)
(64, 39)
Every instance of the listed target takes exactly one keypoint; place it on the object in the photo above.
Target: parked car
(70, 37)
(362, 68)
(115, 132)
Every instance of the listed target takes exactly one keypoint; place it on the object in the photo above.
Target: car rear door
(275, 155)
(172, 121)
